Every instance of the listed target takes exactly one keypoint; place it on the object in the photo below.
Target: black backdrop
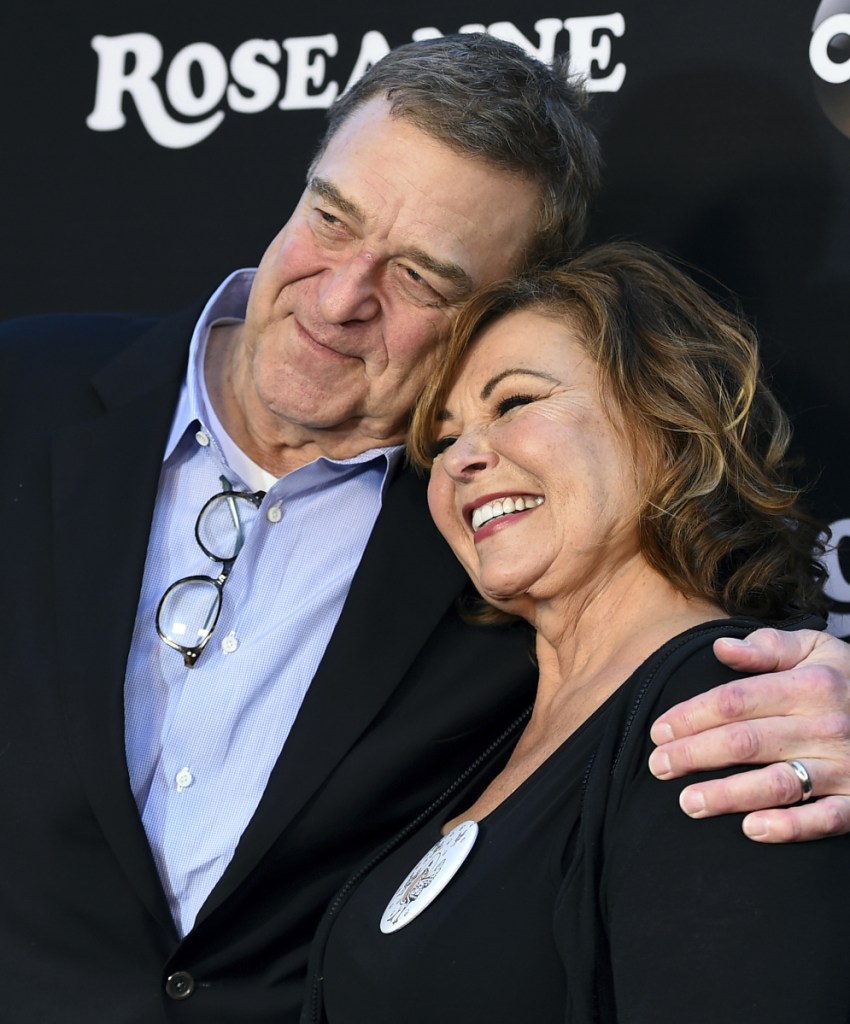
(150, 148)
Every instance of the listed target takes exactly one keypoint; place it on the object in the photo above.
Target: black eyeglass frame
(191, 654)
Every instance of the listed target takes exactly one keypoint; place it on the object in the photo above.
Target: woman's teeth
(502, 507)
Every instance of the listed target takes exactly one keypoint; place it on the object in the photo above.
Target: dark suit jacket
(404, 698)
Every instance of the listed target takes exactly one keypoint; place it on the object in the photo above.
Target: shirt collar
(228, 304)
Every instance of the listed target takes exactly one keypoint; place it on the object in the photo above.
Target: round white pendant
(430, 876)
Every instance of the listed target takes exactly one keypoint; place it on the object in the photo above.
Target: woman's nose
(470, 454)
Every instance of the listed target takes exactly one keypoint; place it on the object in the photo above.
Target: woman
(607, 465)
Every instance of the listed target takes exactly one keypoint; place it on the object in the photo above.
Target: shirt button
(184, 778)
(274, 513)
(229, 643)
(202, 438)
(180, 985)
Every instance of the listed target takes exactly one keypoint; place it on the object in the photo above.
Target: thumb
(767, 650)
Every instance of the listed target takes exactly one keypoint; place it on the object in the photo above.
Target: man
(202, 735)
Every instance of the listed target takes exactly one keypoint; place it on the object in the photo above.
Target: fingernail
(692, 803)
(659, 764)
(735, 641)
(662, 732)
(756, 827)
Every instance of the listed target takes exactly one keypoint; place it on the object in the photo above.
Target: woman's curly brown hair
(720, 517)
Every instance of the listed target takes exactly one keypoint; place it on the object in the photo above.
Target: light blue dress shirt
(201, 742)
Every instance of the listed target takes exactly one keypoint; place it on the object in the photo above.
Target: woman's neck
(585, 651)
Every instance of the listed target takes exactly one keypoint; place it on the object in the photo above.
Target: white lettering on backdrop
(185, 107)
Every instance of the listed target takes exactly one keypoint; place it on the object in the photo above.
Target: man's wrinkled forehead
(447, 270)
(465, 219)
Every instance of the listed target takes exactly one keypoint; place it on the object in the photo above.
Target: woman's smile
(486, 510)
(531, 462)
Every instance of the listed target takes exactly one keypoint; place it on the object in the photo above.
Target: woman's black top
(589, 896)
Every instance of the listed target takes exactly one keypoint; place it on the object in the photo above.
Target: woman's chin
(513, 599)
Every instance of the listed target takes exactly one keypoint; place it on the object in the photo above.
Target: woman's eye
(512, 402)
(440, 445)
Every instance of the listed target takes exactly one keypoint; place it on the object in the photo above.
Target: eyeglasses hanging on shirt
(189, 609)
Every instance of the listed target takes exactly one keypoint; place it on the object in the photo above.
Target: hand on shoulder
(797, 707)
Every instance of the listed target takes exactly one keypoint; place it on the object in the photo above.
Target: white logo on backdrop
(831, 24)
(829, 56)
(185, 105)
(838, 584)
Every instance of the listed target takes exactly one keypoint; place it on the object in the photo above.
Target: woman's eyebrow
(445, 414)
(487, 390)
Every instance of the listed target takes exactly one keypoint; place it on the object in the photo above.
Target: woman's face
(535, 487)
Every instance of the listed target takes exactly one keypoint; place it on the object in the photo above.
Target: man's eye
(512, 402)
(440, 445)
(329, 218)
(419, 287)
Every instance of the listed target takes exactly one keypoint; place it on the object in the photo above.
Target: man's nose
(349, 290)
(470, 454)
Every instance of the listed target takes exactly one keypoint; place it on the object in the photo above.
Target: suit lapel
(105, 476)
(104, 481)
(348, 691)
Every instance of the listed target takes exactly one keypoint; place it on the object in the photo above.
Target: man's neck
(278, 447)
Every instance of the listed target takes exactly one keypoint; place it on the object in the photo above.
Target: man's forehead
(448, 270)
(455, 213)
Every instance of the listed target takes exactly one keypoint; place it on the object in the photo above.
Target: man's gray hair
(488, 98)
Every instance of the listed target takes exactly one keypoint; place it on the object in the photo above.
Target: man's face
(355, 296)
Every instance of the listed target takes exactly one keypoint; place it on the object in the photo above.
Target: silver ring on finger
(805, 779)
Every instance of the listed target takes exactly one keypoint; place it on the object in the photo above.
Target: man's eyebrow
(451, 272)
(488, 388)
(323, 188)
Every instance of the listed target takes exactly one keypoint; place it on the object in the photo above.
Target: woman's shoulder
(685, 666)
(681, 668)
